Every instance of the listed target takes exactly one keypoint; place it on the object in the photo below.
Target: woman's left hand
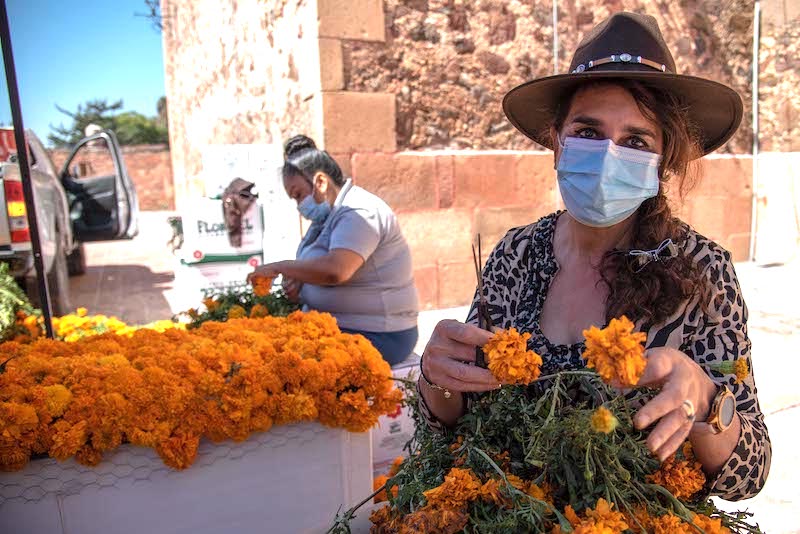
(686, 392)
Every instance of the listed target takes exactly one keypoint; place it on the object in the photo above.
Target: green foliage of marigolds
(543, 433)
(12, 299)
(276, 303)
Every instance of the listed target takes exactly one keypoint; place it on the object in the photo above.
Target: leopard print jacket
(518, 274)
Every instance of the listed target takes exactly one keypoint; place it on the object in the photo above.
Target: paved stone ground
(134, 281)
(129, 279)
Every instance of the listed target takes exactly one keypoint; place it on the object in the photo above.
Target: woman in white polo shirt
(353, 262)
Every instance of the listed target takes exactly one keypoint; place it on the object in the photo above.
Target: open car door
(102, 198)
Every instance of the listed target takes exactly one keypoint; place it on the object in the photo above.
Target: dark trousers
(393, 346)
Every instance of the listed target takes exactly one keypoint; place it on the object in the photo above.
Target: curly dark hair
(655, 292)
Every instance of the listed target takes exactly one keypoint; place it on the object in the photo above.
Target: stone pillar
(352, 121)
(257, 72)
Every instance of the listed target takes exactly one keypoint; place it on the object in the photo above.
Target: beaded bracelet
(446, 392)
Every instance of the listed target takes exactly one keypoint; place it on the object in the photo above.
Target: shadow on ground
(133, 293)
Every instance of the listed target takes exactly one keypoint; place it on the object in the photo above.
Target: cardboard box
(396, 429)
(205, 235)
(192, 280)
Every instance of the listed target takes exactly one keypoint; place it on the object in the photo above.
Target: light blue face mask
(603, 184)
(312, 210)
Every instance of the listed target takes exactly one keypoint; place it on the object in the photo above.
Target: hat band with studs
(620, 58)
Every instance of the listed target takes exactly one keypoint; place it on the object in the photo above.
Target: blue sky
(67, 52)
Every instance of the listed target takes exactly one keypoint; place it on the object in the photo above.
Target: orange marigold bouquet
(167, 390)
(558, 455)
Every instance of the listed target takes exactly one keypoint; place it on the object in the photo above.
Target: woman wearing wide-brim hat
(623, 126)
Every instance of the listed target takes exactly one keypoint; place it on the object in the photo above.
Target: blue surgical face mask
(312, 210)
(603, 184)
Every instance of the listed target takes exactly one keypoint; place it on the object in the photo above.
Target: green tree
(135, 129)
(98, 112)
(131, 127)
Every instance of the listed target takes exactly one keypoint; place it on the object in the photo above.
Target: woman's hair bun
(297, 144)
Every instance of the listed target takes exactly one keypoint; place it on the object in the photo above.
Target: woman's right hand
(291, 287)
(449, 353)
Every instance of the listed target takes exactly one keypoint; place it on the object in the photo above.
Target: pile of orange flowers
(616, 352)
(166, 390)
(641, 521)
(80, 324)
(604, 519)
(446, 508)
(509, 359)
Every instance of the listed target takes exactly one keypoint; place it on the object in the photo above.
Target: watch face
(727, 410)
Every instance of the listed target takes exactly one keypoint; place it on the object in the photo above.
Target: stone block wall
(149, 166)
(779, 76)
(449, 62)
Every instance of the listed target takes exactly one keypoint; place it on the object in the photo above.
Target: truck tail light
(20, 236)
(17, 213)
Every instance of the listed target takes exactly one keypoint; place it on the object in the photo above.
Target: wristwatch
(723, 409)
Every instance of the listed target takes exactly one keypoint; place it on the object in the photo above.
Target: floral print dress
(517, 278)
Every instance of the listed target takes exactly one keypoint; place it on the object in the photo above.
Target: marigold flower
(377, 483)
(261, 285)
(460, 486)
(601, 520)
(210, 304)
(236, 312)
(616, 352)
(13, 457)
(604, 421)
(710, 525)
(384, 517)
(571, 516)
(397, 463)
(668, 524)
(509, 359)
(738, 367)
(179, 451)
(490, 491)
(58, 398)
(258, 310)
(422, 521)
(541, 493)
(742, 370)
(681, 477)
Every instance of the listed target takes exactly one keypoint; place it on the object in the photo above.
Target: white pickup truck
(91, 199)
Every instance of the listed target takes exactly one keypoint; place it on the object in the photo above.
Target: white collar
(343, 193)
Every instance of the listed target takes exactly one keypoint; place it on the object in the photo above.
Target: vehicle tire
(76, 261)
(57, 282)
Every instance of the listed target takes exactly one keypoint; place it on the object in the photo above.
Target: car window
(93, 159)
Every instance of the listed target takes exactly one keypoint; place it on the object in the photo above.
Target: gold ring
(688, 409)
